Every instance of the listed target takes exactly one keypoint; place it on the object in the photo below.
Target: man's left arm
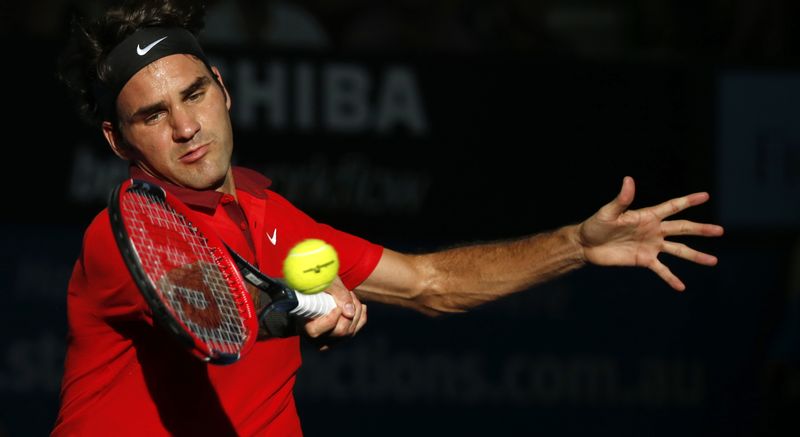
(455, 280)
(458, 279)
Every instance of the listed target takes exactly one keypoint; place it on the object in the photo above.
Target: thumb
(616, 207)
(343, 298)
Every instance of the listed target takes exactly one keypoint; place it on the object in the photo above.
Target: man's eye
(154, 117)
(195, 97)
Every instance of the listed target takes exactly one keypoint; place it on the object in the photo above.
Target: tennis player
(141, 76)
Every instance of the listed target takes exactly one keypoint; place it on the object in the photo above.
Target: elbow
(414, 282)
(432, 296)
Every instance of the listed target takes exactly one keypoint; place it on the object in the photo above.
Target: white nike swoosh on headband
(143, 51)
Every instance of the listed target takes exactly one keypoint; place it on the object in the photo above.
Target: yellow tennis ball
(311, 266)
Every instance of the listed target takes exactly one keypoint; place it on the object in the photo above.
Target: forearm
(455, 280)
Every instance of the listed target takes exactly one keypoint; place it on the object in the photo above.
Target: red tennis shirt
(124, 376)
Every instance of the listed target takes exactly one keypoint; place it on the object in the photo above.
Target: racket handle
(311, 306)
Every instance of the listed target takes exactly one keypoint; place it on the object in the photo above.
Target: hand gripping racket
(192, 281)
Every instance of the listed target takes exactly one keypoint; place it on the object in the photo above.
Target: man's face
(174, 123)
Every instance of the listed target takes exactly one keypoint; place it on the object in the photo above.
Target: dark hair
(82, 64)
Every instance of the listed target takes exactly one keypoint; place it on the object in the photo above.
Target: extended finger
(664, 272)
(674, 206)
(686, 227)
(683, 251)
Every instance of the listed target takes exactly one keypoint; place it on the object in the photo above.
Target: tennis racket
(192, 281)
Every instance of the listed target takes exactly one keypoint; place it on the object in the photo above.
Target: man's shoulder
(100, 265)
(100, 227)
(98, 238)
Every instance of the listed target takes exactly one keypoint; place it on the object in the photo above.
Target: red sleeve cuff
(357, 256)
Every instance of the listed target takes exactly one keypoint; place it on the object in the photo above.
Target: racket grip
(311, 306)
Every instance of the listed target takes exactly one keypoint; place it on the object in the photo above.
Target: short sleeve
(357, 256)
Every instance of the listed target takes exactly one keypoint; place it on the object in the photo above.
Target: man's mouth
(194, 154)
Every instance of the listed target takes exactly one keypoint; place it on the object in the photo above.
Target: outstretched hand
(614, 236)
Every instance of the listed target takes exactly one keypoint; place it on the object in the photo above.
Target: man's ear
(215, 70)
(114, 138)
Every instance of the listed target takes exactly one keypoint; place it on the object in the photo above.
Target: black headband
(138, 50)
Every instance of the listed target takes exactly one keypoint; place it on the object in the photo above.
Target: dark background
(471, 121)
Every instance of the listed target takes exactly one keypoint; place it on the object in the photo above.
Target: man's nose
(184, 125)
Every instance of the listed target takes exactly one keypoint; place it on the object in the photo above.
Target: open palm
(615, 236)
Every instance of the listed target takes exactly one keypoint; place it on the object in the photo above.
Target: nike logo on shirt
(143, 51)
(274, 237)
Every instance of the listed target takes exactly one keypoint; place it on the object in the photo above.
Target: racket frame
(161, 313)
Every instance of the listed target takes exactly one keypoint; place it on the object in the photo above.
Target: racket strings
(189, 275)
(232, 278)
